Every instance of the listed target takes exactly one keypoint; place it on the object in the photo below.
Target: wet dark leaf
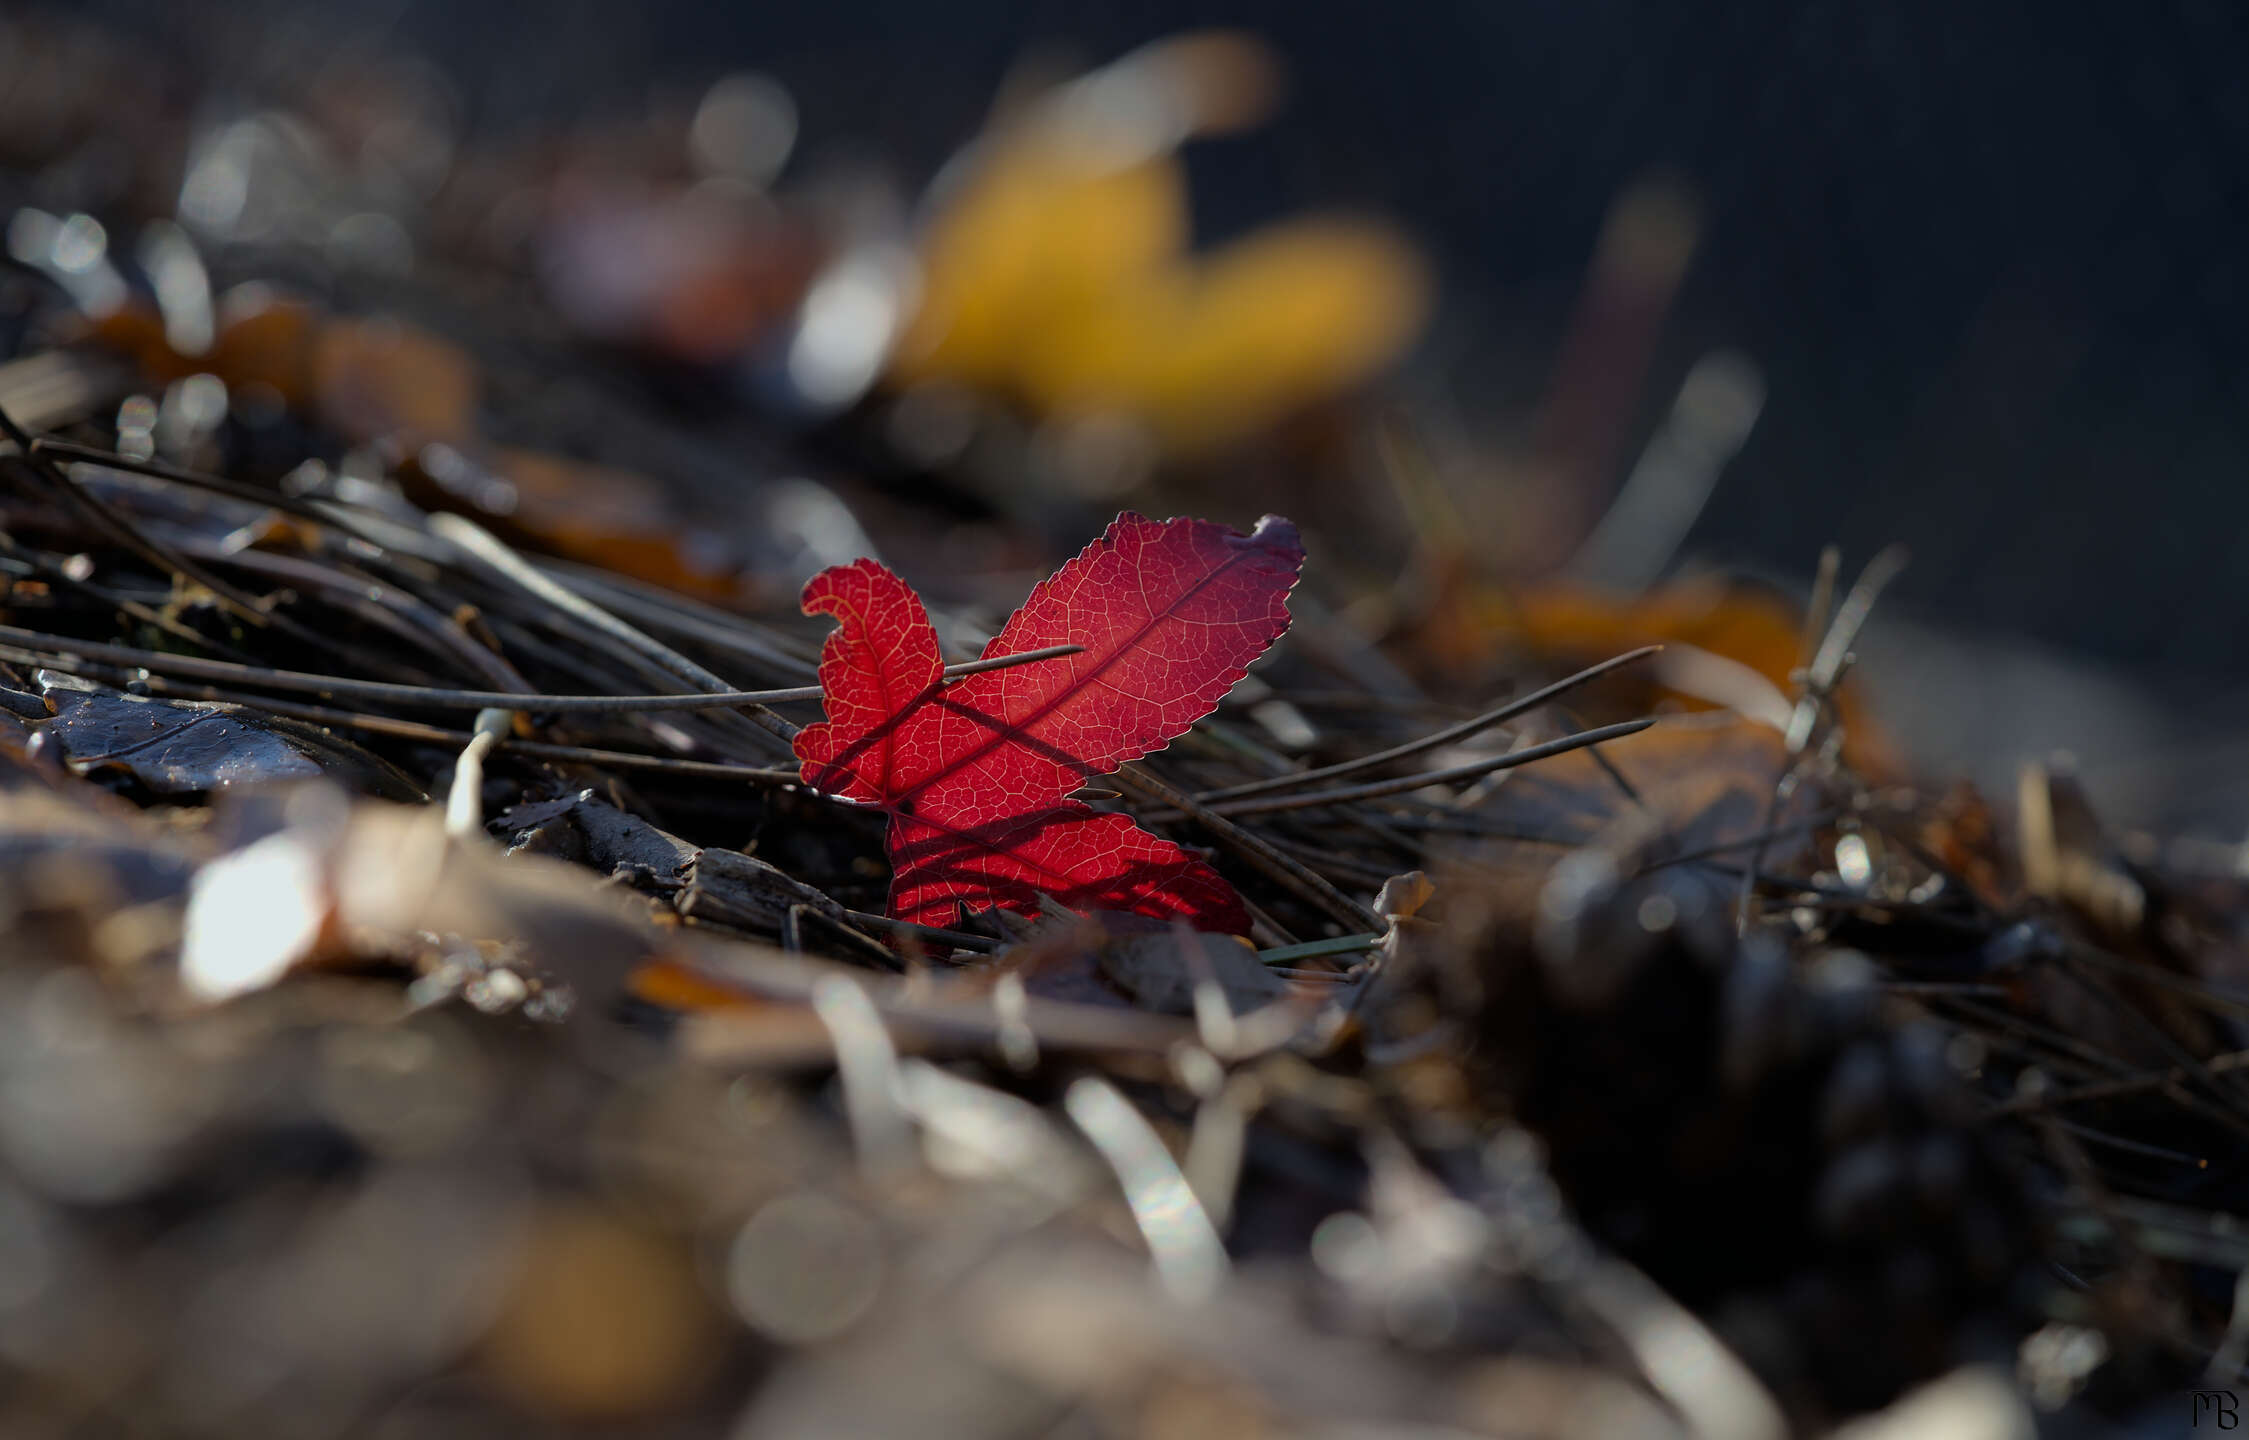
(185, 748)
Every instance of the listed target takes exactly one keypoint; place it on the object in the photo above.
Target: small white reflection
(217, 186)
(80, 244)
(2054, 1363)
(1286, 724)
(73, 252)
(867, 1065)
(1717, 406)
(820, 526)
(192, 408)
(850, 317)
(1348, 1248)
(251, 915)
(183, 286)
(1182, 1242)
(260, 178)
(254, 913)
(973, 1131)
(1658, 913)
(1853, 865)
(1713, 1391)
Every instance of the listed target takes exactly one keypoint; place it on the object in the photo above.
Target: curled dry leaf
(974, 775)
(706, 885)
(1404, 896)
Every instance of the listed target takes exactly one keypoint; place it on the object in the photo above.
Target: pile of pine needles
(775, 1155)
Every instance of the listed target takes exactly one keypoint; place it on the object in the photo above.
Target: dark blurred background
(1988, 258)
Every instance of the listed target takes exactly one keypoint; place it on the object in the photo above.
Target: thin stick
(29, 643)
(1624, 787)
(1306, 884)
(1822, 601)
(2172, 1080)
(1442, 737)
(2101, 987)
(486, 549)
(53, 573)
(1851, 616)
(105, 518)
(1819, 681)
(955, 938)
(681, 616)
(2200, 992)
(1312, 949)
(1761, 837)
(441, 735)
(388, 608)
(1374, 789)
(1335, 867)
(194, 479)
(713, 627)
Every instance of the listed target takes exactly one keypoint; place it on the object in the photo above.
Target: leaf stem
(1311, 949)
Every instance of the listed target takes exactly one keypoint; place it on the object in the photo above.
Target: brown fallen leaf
(1468, 624)
(620, 520)
(378, 378)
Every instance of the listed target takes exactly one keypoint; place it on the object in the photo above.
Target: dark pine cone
(1750, 1128)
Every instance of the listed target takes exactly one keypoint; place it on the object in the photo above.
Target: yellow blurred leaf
(1208, 352)
(1056, 272)
(1039, 236)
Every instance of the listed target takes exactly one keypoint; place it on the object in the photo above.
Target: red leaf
(975, 775)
